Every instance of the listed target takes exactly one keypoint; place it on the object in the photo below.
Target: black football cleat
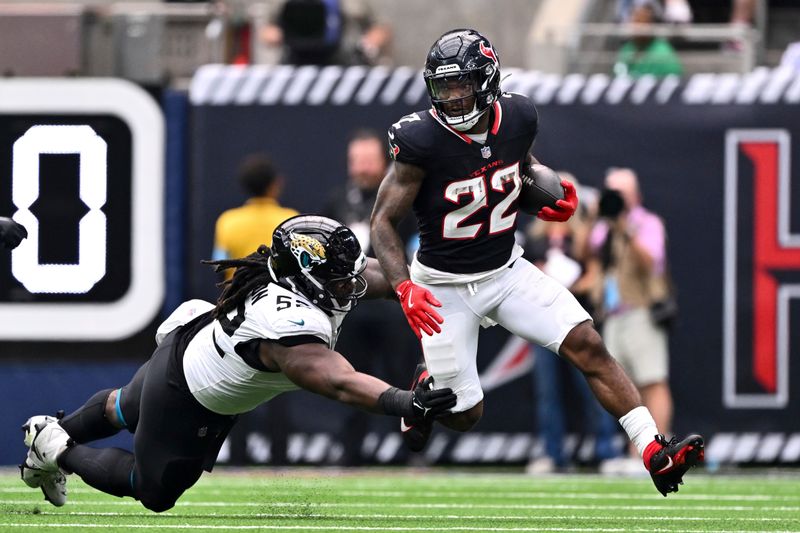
(667, 462)
(416, 431)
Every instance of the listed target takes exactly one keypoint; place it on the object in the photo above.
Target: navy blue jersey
(467, 205)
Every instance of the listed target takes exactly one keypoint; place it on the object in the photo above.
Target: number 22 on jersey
(500, 219)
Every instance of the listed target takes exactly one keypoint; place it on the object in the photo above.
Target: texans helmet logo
(488, 52)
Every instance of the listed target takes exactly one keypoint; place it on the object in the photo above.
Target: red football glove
(417, 302)
(566, 207)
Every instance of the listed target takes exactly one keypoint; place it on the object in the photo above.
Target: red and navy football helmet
(462, 74)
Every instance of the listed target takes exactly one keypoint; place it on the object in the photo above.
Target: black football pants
(175, 438)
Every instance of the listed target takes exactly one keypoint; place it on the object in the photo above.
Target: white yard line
(555, 495)
(256, 516)
(467, 494)
(668, 505)
(350, 528)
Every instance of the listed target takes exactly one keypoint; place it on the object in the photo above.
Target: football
(541, 187)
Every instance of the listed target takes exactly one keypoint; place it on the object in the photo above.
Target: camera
(611, 204)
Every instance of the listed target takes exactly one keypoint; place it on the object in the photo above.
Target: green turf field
(406, 500)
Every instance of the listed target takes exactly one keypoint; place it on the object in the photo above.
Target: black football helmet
(462, 61)
(321, 259)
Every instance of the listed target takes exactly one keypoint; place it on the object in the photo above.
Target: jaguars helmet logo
(307, 250)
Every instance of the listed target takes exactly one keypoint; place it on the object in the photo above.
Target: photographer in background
(559, 250)
(629, 243)
(11, 233)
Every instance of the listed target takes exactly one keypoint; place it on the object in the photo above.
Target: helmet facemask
(460, 99)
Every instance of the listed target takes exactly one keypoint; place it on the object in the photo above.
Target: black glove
(420, 403)
(11, 233)
(429, 403)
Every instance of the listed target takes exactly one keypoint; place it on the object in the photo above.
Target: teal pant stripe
(119, 411)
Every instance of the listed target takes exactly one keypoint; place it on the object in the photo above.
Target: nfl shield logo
(486, 152)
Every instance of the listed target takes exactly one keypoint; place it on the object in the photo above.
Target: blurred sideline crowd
(157, 42)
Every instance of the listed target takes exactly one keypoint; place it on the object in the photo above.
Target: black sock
(89, 423)
(106, 469)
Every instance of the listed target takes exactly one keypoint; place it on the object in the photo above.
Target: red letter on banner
(769, 256)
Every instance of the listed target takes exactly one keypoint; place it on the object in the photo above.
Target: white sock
(640, 427)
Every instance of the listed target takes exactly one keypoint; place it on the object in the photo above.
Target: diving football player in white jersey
(272, 330)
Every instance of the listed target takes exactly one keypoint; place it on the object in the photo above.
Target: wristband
(397, 402)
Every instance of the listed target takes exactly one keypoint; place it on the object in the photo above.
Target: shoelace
(663, 441)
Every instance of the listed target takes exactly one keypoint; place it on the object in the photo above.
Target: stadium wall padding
(715, 155)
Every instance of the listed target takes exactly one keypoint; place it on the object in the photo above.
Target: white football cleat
(48, 443)
(29, 427)
(52, 482)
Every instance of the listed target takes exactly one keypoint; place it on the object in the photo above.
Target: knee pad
(177, 476)
(158, 503)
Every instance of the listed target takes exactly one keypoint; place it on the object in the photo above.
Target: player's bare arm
(377, 284)
(395, 196)
(318, 369)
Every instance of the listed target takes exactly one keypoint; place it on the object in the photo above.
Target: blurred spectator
(643, 53)
(556, 248)
(376, 339)
(674, 11)
(352, 202)
(241, 230)
(630, 243)
(327, 32)
(743, 12)
(677, 12)
(743, 15)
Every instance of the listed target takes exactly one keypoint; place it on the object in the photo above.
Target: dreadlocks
(251, 272)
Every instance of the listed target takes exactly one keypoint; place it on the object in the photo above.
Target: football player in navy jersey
(458, 165)
(273, 330)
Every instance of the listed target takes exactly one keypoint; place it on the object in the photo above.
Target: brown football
(541, 187)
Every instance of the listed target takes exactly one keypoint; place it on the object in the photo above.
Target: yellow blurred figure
(240, 231)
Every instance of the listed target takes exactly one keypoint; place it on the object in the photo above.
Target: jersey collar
(495, 124)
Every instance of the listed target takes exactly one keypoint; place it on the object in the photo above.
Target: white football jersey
(220, 378)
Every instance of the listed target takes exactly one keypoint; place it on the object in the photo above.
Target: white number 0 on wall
(76, 278)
